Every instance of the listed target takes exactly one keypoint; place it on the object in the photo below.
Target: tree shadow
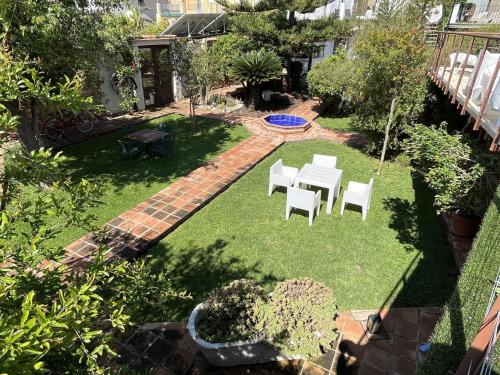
(199, 270)
(422, 231)
(101, 160)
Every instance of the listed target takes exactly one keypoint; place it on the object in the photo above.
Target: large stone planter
(237, 353)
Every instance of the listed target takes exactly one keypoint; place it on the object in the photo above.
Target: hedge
(464, 312)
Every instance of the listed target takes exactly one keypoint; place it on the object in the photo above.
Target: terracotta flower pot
(464, 225)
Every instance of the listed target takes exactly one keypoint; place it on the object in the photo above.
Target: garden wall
(464, 312)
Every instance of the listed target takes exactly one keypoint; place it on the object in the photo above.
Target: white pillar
(342, 10)
(158, 11)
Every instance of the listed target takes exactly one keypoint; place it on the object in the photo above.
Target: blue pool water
(285, 120)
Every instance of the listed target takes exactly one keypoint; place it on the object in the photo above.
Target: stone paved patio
(168, 349)
(136, 230)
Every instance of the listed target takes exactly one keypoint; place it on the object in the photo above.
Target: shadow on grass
(421, 230)
(101, 158)
(200, 270)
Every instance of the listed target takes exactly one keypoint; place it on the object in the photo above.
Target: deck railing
(466, 66)
(471, 14)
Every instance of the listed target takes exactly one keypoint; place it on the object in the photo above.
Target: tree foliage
(389, 86)
(56, 314)
(330, 79)
(254, 68)
(463, 178)
(228, 48)
(63, 45)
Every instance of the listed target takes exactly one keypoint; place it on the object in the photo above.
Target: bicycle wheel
(85, 125)
(53, 129)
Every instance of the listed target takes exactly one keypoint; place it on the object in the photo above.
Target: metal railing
(469, 13)
(456, 66)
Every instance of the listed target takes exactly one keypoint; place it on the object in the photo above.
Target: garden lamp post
(284, 73)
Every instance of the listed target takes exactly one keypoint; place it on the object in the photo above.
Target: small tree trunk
(254, 96)
(193, 115)
(26, 133)
(4, 185)
(287, 82)
(387, 130)
(35, 123)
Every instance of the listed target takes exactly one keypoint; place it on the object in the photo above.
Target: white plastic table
(322, 177)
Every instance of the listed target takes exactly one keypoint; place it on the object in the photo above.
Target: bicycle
(56, 127)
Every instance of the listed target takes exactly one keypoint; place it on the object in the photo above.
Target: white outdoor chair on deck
(279, 175)
(303, 200)
(324, 161)
(358, 194)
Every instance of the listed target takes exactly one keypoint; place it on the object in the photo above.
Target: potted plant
(239, 324)
(463, 180)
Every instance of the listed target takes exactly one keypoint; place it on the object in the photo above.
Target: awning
(198, 25)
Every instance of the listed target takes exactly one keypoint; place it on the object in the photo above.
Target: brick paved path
(136, 230)
(168, 348)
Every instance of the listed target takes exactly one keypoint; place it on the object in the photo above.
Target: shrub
(299, 317)
(256, 68)
(464, 312)
(462, 179)
(227, 314)
(330, 78)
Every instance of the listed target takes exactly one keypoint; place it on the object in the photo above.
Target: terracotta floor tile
(353, 328)
(400, 366)
(427, 320)
(376, 357)
(404, 348)
(409, 315)
(407, 330)
(366, 368)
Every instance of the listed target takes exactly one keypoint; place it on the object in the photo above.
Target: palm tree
(255, 68)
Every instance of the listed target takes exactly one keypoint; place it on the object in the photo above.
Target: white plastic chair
(279, 175)
(324, 161)
(358, 194)
(303, 200)
(484, 72)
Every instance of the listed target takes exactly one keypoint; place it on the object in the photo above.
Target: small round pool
(286, 123)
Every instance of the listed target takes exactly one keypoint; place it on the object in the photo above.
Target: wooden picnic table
(147, 136)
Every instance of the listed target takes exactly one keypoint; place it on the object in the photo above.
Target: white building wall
(332, 8)
(110, 98)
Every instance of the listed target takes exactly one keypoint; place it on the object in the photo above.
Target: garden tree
(51, 319)
(23, 88)
(464, 178)
(272, 25)
(254, 68)
(228, 48)
(197, 69)
(389, 84)
(330, 79)
(207, 70)
(66, 43)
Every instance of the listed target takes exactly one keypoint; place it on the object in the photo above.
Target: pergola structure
(198, 25)
(466, 66)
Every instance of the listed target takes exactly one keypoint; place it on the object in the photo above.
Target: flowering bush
(298, 317)
(228, 312)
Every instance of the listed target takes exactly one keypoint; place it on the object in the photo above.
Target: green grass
(398, 256)
(129, 182)
(343, 123)
(464, 312)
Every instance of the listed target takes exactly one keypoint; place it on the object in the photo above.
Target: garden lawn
(336, 123)
(129, 182)
(398, 256)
